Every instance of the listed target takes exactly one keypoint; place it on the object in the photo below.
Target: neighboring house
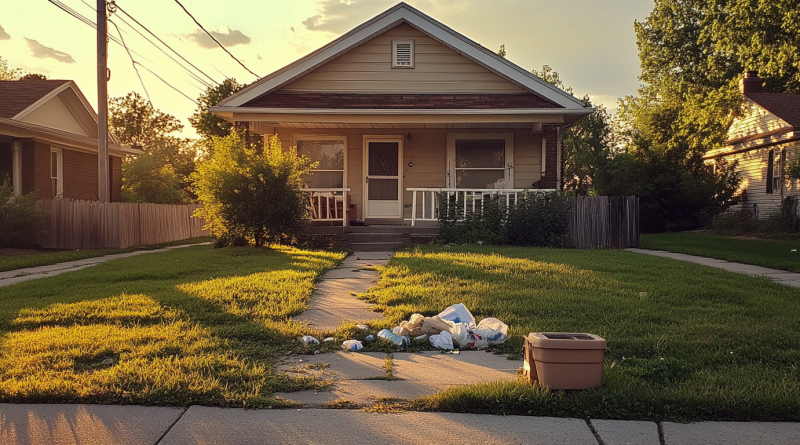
(765, 139)
(48, 141)
(402, 107)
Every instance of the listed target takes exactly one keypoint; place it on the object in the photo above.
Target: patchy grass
(49, 257)
(702, 344)
(777, 254)
(190, 326)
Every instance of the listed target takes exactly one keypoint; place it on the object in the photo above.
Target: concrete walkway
(10, 277)
(334, 300)
(776, 275)
(136, 425)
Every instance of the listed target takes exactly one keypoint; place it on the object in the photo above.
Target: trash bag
(433, 326)
(352, 345)
(460, 334)
(477, 340)
(309, 340)
(442, 341)
(458, 313)
(398, 340)
(493, 330)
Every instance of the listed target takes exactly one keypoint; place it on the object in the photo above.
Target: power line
(133, 62)
(214, 39)
(163, 43)
(167, 83)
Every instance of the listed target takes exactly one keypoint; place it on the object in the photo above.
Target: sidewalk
(104, 424)
(776, 275)
(15, 276)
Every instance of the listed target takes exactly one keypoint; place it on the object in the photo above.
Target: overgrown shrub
(19, 217)
(252, 195)
(540, 220)
(537, 220)
(782, 221)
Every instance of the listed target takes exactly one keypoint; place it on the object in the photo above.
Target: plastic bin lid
(566, 340)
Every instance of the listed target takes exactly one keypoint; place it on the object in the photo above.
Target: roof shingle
(17, 95)
(784, 105)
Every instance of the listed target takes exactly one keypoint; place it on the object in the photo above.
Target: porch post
(16, 167)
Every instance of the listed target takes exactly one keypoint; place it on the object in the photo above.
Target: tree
(147, 178)
(207, 124)
(252, 194)
(9, 73)
(133, 120)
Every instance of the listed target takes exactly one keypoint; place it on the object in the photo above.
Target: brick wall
(6, 161)
(36, 169)
(553, 146)
(401, 101)
(115, 172)
(80, 175)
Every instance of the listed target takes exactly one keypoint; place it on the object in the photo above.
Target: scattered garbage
(453, 328)
(329, 339)
(363, 327)
(309, 340)
(370, 337)
(352, 345)
(398, 340)
(316, 352)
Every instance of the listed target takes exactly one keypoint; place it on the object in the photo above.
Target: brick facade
(36, 169)
(401, 101)
(6, 161)
(80, 175)
(553, 146)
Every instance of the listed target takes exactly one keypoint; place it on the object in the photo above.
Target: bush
(19, 217)
(251, 195)
(540, 220)
(537, 220)
(782, 221)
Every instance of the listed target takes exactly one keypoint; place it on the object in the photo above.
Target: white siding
(754, 121)
(55, 114)
(368, 69)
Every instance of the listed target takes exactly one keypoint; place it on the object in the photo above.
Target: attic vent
(403, 54)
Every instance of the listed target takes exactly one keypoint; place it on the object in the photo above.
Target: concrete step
(390, 229)
(375, 246)
(359, 237)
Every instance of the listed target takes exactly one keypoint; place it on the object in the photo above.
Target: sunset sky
(589, 42)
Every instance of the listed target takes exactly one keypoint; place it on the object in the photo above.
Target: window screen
(330, 155)
(480, 163)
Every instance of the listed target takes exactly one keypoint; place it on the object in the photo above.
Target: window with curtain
(480, 163)
(330, 155)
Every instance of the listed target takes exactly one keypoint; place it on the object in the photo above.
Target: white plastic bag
(442, 341)
(493, 330)
(460, 334)
(458, 313)
(352, 345)
(309, 340)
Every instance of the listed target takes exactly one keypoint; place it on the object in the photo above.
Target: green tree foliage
(19, 217)
(162, 174)
(9, 73)
(207, 124)
(252, 194)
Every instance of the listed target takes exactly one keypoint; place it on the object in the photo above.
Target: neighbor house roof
(403, 13)
(784, 105)
(18, 95)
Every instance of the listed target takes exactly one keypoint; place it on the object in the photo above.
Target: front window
(480, 161)
(330, 153)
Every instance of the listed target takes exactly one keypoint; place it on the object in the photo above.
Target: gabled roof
(18, 95)
(784, 105)
(403, 13)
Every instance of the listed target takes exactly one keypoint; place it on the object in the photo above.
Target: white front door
(382, 180)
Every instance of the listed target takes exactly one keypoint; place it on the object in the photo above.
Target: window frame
(325, 137)
(59, 192)
(508, 169)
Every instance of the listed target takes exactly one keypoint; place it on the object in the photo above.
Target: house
(764, 140)
(403, 107)
(48, 141)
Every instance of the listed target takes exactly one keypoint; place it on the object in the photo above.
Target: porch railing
(328, 204)
(469, 199)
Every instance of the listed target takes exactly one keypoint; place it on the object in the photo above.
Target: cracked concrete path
(776, 275)
(334, 302)
(15, 276)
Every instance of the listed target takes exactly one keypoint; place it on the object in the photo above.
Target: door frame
(366, 139)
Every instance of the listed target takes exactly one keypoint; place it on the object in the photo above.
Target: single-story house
(764, 140)
(403, 107)
(48, 141)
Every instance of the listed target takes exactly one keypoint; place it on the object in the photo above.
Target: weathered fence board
(601, 222)
(73, 224)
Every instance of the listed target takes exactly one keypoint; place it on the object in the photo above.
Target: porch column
(16, 167)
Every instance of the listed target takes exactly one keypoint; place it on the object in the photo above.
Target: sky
(590, 43)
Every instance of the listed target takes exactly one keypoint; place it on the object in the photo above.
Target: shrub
(540, 220)
(251, 195)
(19, 217)
(782, 221)
(485, 225)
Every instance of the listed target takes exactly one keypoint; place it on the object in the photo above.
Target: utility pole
(102, 102)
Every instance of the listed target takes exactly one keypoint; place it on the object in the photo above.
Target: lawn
(701, 344)
(777, 254)
(46, 258)
(196, 325)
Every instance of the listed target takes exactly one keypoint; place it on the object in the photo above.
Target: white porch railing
(470, 200)
(328, 204)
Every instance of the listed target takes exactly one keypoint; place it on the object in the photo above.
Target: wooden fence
(72, 224)
(600, 222)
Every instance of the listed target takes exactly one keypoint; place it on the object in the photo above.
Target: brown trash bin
(564, 360)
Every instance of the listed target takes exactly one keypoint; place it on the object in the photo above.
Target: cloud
(42, 52)
(4, 35)
(231, 37)
(258, 56)
(292, 28)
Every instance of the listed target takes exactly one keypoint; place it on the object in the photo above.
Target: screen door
(382, 181)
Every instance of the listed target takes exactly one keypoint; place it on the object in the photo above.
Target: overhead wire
(214, 39)
(167, 83)
(133, 62)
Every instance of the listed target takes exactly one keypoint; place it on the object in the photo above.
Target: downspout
(16, 167)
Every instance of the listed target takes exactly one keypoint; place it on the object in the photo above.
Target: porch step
(376, 237)
(375, 247)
